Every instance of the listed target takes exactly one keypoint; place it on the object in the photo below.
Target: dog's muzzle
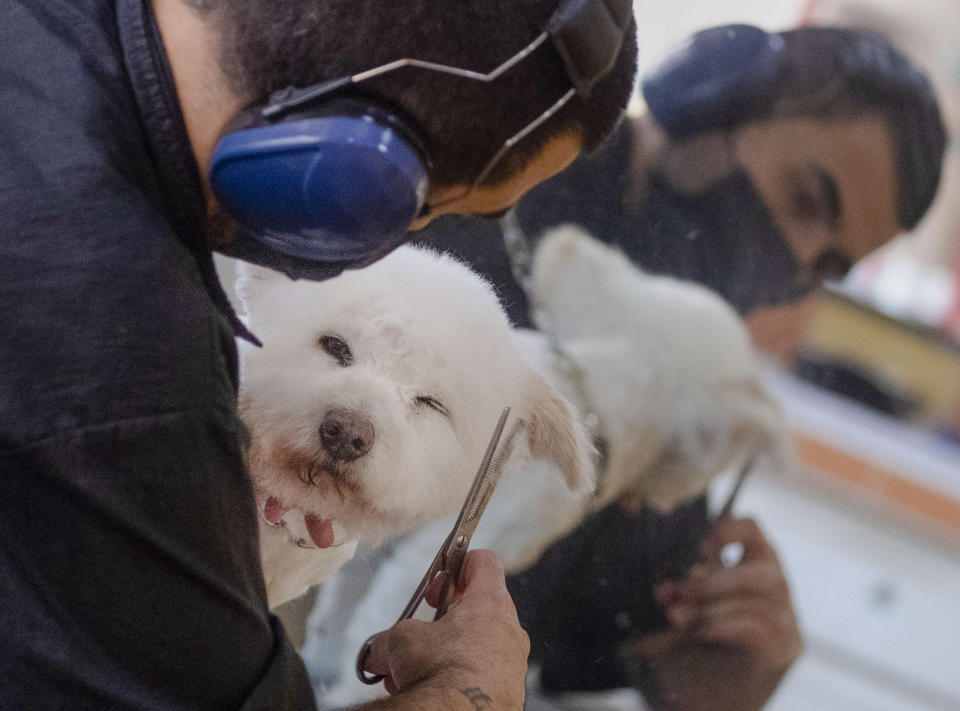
(346, 435)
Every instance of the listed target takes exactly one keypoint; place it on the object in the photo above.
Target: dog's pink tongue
(274, 509)
(320, 530)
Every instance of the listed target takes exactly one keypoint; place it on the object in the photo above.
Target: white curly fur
(417, 324)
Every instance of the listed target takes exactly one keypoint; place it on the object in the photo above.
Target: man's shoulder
(104, 309)
(68, 111)
(103, 298)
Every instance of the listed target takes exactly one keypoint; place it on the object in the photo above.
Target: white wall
(876, 591)
(877, 604)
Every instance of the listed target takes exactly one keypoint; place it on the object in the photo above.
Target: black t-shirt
(129, 566)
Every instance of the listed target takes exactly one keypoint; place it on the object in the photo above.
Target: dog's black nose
(346, 435)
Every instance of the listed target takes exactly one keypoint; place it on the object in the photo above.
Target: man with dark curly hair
(129, 567)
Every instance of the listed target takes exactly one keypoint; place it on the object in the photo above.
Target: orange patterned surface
(916, 498)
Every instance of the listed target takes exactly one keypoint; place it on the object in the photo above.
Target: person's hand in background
(733, 633)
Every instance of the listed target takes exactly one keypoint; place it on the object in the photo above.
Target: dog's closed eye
(432, 403)
(337, 349)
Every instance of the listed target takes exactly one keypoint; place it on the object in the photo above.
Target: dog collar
(519, 249)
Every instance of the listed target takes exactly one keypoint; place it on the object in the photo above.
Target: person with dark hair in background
(138, 135)
(765, 164)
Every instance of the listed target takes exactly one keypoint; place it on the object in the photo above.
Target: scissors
(727, 507)
(449, 558)
(732, 553)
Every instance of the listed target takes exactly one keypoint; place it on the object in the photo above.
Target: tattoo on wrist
(476, 697)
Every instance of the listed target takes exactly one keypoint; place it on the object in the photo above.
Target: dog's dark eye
(337, 349)
(432, 403)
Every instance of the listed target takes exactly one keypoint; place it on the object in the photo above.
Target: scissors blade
(488, 476)
(449, 558)
(483, 483)
(745, 470)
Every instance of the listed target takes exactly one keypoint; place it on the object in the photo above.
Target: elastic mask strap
(588, 35)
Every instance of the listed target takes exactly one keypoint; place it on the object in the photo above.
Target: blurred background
(868, 526)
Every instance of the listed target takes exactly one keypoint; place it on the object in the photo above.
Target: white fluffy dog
(668, 368)
(371, 402)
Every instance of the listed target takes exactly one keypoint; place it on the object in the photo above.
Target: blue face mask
(724, 238)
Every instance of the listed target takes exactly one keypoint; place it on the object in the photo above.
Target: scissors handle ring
(362, 674)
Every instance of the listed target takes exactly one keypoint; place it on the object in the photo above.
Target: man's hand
(474, 657)
(733, 633)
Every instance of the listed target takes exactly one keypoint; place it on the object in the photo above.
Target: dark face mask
(724, 238)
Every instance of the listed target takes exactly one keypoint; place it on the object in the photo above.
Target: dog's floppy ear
(554, 434)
